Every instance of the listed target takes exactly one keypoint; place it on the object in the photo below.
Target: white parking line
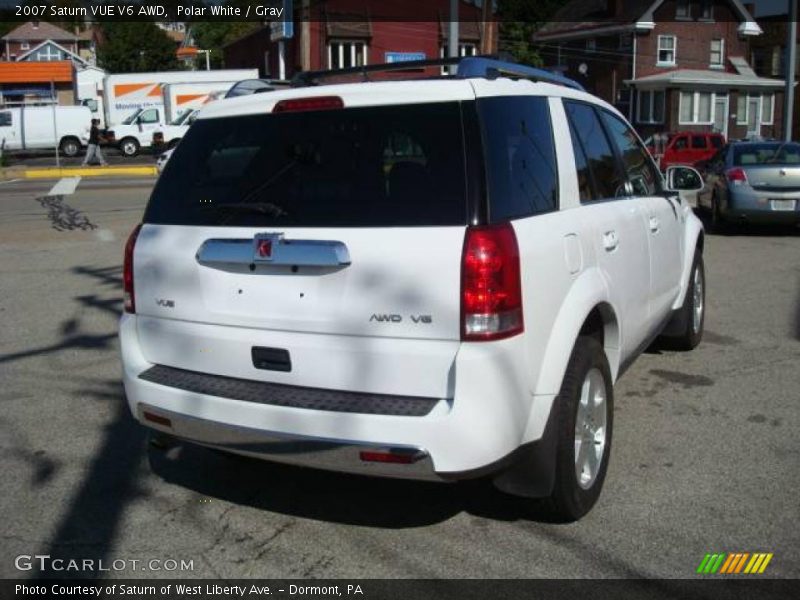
(9, 181)
(65, 186)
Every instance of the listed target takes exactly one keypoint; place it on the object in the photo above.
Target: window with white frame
(666, 50)
(24, 46)
(464, 49)
(650, 106)
(346, 53)
(765, 102)
(696, 108)
(717, 58)
(707, 10)
(682, 10)
(767, 108)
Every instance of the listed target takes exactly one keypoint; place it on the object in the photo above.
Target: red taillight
(736, 176)
(305, 104)
(128, 298)
(403, 458)
(491, 291)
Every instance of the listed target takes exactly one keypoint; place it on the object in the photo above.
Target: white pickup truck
(434, 279)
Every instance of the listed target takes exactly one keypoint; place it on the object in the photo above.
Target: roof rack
(489, 67)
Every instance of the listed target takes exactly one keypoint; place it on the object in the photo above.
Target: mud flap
(533, 473)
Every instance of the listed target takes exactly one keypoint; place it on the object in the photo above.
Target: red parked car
(686, 148)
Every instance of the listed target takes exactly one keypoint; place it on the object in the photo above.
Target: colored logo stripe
(732, 563)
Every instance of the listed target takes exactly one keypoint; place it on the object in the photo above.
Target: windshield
(182, 117)
(355, 167)
(773, 153)
(132, 118)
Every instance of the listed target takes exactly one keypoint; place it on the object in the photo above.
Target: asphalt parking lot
(705, 456)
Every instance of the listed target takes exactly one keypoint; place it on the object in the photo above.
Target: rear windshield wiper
(264, 208)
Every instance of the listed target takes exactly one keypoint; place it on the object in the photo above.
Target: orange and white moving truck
(124, 94)
(135, 102)
(180, 98)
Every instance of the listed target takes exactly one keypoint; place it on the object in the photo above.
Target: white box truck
(42, 127)
(180, 98)
(134, 102)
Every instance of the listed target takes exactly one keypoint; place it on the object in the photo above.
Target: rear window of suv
(380, 166)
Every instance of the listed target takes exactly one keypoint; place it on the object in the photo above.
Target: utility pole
(452, 36)
(487, 42)
(54, 98)
(791, 61)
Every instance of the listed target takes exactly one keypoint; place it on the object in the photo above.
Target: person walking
(93, 149)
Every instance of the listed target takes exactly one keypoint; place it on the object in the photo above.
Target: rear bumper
(475, 433)
(750, 206)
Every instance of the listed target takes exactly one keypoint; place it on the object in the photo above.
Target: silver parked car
(753, 182)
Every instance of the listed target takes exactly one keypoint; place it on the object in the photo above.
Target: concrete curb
(53, 173)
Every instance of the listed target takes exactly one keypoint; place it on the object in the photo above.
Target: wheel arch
(587, 309)
(694, 241)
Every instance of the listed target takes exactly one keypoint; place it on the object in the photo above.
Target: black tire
(129, 146)
(691, 330)
(69, 146)
(717, 223)
(571, 499)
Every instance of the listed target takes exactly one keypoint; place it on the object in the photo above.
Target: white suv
(434, 279)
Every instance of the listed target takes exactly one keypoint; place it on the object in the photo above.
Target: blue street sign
(394, 57)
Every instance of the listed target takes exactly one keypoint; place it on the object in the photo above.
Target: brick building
(670, 65)
(342, 33)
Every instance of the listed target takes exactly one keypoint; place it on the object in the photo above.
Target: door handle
(610, 240)
(654, 224)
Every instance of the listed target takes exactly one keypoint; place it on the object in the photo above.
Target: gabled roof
(72, 55)
(582, 18)
(43, 30)
(57, 71)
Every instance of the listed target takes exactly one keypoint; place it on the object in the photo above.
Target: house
(42, 81)
(768, 57)
(31, 35)
(669, 65)
(331, 34)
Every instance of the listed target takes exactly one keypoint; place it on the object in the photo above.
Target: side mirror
(684, 179)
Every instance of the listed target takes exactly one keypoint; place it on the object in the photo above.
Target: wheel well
(701, 240)
(68, 138)
(601, 324)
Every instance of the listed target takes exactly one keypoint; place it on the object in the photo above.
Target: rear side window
(681, 143)
(699, 142)
(354, 167)
(716, 142)
(520, 157)
(605, 174)
(639, 168)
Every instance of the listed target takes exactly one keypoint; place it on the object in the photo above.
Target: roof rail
(492, 68)
(488, 67)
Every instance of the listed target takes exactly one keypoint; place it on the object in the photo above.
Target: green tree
(212, 35)
(130, 47)
(519, 20)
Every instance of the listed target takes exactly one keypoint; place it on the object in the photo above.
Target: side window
(639, 168)
(5, 119)
(605, 173)
(681, 143)
(522, 176)
(149, 116)
(582, 169)
(698, 142)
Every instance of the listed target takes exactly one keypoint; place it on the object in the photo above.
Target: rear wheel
(69, 146)
(585, 405)
(129, 146)
(717, 224)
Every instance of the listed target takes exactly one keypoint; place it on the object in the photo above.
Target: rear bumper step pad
(288, 395)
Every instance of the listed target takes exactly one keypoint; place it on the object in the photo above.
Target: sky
(770, 7)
